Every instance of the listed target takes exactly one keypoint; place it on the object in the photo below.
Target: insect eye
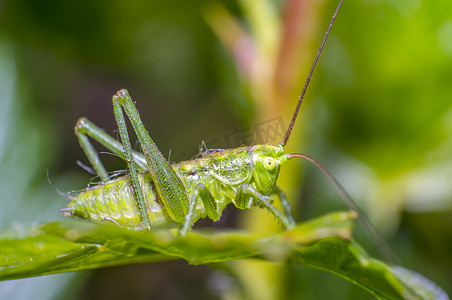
(269, 163)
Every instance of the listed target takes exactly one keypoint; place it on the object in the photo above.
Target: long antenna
(378, 241)
(295, 114)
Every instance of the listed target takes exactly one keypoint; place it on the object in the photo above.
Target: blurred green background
(378, 115)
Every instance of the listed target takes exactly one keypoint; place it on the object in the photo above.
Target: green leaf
(324, 243)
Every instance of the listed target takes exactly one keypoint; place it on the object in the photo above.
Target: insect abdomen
(115, 201)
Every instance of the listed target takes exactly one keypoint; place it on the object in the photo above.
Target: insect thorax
(234, 167)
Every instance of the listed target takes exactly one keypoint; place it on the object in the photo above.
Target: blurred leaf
(322, 243)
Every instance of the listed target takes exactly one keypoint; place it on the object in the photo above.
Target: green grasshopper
(157, 193)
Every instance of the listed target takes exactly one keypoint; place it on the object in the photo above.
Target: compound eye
(269, 163)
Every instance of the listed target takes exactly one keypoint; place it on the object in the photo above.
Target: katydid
(157, 193)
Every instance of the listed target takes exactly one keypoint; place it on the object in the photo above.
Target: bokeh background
(378, 115)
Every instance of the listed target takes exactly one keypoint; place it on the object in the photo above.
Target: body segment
(222, 174)
(115, 201)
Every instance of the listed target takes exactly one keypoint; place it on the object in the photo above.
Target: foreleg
(285, 205)
(248, 193)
